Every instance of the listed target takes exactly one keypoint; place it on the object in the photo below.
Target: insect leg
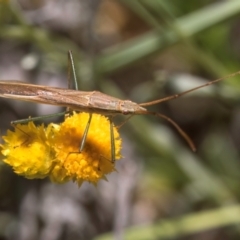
(71, 71)
(83, 141)
(71, 62)
(37, 118)
(120, 125)
(112, 139)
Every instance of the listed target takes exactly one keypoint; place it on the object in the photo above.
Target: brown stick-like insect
(90, 102)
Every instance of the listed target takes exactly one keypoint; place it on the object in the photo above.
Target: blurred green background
(138, 50)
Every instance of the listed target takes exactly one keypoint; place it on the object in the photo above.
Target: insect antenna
(188, 91)
(177, 127)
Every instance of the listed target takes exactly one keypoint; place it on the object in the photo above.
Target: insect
(90, 102)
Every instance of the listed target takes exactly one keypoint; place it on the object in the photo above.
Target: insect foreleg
(126, 120)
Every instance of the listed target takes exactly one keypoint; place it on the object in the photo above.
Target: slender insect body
(90, 102)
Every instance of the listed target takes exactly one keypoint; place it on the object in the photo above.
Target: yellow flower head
(94, 162)
(28, 150)
(38, 152)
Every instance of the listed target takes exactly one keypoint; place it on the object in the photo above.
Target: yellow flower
(38, 152)
(28, 149)
(1, 156)
(94, 162)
